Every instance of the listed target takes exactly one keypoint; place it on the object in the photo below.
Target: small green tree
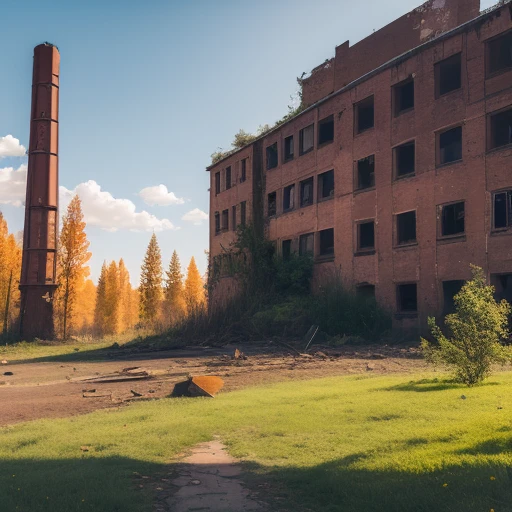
(477, 329)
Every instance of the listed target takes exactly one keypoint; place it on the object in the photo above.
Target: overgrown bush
(476, 332)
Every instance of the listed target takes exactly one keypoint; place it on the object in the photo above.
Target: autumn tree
(174, 306)
(150, 289)
(127, 318)
(101, 300)
(85, 303)
(194, 288)
(111, 310)
(72, 257)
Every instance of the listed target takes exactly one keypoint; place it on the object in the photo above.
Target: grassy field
(359, 443)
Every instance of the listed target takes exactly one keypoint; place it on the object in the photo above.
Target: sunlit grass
(350, 443)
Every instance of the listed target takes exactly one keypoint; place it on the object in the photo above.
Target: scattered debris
(239, 355)
(93, 394)
(4, 362)
(321, 354)
(370, 367)
(208, 385)
(84, 448)
(8, 373)
(134, 393)
(310, 335)
(463, 397)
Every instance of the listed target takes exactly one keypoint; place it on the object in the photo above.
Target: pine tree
(194, 288)
(125, 297)
(71, 263)
(101, 301)
(111, 311)
(175, 307)
(150, 289)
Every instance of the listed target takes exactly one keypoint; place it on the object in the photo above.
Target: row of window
(228, 177)
(222, 219)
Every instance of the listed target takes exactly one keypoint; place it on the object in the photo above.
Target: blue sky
(150, 89)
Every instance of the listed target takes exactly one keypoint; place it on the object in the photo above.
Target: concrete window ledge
(365, 253)
(451, 239)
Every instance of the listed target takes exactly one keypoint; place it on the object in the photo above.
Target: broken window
(403, 97)
(500, 129)
(366, 173)
(289, 198)
(405, 159)
(233, 218)
(406, 227)
(286, 249)
(288, 148)
(217, 182)
(450, 289)
(243, 170)
(272, 204)
(306, 139)
(225, 220)
(272, 156)
(407, 298)
(326, 130)
(326, 242)
(499, 54)
(364, 115)
(326, 185)
(306, 192)
(448, 75)
(306, 244)
(228, 177)
(452, 219)
(243, 207)
(217, 222)
(366, 291)
(366, 236)
(450, 146)
(503, 209)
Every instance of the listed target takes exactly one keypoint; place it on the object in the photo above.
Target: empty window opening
(452, 219)
(289, 198)
(450, 146)
(326, 185)
(326, 130)
(450, 289)
(243, 170)
(233, 218)
(448, 75)
(272, 204)
(501, 129)
(366, 173)
(502, 286)
(499, 54)
(217, 222)
(272, 156)
(364, 115)
(306, 244)
(326, 242)
(503, 209)
(365, 291)
(406, 228)
(404, 97)
(407, 298)
(405, 159)
(286, 249)
(366, 236)
(243, 207)
(225, 219)
(217, 182)
(288, 148)
(306, 192)
(306, 139)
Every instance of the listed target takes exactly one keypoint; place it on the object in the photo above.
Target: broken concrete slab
(206, 385)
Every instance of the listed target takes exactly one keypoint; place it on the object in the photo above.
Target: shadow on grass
(425, 385)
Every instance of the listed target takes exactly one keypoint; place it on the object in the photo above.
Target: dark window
(501, 129)
(326, 185)
(233, 218)
(217, 222)
(306, 244)
(452, 219)
(366, 291)
(326, 130)
(217, 182)
(272, 156)
(403, 97)
(366, 173)
(306, 139)
(243, 206)
(286, 249)
(405, 159)
(272, 205)
(289, 198)
(503, 209)
(225, 219)
(450, 146)
(366, 235)
(288, 148)
(326, 242)
(364, 115)
(450, 289)
(243, 170)
(406, 227)
(503, 286)
(306, 192)
(448, 75)
(499, 53)
(228, 177)
(407, 297)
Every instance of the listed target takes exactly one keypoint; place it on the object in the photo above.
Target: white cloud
(12, 185)
(9, 146)
(159, 196)
(196, 216)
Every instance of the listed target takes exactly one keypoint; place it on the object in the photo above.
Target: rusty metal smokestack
(38, 271)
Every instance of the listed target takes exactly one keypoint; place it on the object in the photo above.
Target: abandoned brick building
(397, 174)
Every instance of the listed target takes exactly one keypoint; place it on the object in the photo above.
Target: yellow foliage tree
(174, 307)
(126, 297)
(101, 299)
(112, 299)
(194, 287)
(86, 303)
(150, 289)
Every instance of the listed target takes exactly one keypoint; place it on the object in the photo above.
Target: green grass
(358, 443)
